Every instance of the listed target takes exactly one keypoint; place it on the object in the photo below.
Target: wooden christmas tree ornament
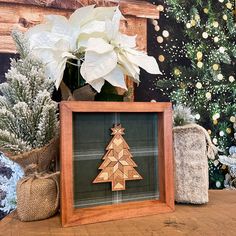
(118, 165)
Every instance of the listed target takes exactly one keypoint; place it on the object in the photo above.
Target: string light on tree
(157, 28)
(216, 116)
(205, 35)
(205, 10)
(225, 17)
(232, 119)
(177, 72)
(221, 133)
(161, 58)
(216, 39)
(215, 66)
(229, 5)
(199, 56)
(198, 85)
(197, 17)
(220, 77)
(197, 116)
(160, 7)
(221, 49)
(215, 24)
(188, 25)
(228, 130)
(193, 22)
(215, 141)
(231, 79)
(165, 33)
(199, 64)
(208, 95)
(160, 39)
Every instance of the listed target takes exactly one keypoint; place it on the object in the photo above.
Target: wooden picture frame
(71, 216)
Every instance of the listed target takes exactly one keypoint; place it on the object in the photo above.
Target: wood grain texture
(216, 218)
(71, 216)
(22, 18)
(128, 7)
(67, 199)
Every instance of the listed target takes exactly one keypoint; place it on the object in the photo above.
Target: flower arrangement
(92, 37)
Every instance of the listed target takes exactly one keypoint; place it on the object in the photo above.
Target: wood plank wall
(23, 14)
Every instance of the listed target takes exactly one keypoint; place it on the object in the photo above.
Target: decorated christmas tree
(118, 165)
(202, 67)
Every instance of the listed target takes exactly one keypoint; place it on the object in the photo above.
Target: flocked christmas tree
(28, 115)
(118, 165)
(203, 67)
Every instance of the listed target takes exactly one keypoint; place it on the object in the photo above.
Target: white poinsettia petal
(59, 24)
(93, 26)
(62, 45)
(37, 29)
(82, 42)
(57, 75)
(97, 84)
(97, 65)
(103, 13)
(129, 68)
(55, 63)
(144, 61)
(42, 40)
(116, 78)
(99, 45)
(126, 41)
(112, 26)
(81, 15)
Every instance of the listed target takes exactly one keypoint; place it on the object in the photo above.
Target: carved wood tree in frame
(118, 165)
(72, 216)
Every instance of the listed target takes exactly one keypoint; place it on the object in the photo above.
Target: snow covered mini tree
(118, 165)
(28, 115)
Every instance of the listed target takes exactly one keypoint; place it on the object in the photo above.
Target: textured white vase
(191, 148)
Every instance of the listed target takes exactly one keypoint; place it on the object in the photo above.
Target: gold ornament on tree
(118, 165)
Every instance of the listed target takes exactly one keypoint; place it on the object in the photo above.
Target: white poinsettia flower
(111, 56)
(56, 41)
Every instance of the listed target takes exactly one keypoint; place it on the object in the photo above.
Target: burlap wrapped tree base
(37, 196)
(192, 147)
(41, 157)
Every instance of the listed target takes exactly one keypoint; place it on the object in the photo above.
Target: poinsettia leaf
(97, 65)
(99, 45)
(116, 78)
(126, 41)
(128, 68)
(144, 61)
(81, 15)
(97, 84)
(92, 27)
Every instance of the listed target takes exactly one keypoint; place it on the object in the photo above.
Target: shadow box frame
(71, 216)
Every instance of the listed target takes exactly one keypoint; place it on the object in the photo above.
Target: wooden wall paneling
(24, 14)
(136, 8)
(21, 17)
